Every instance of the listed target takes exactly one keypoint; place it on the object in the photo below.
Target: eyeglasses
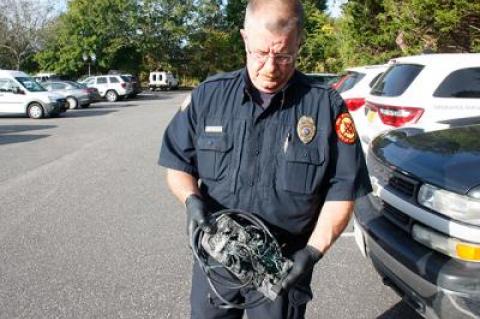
(279, 58)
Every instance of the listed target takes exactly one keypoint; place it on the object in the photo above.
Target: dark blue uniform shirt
(252, 158)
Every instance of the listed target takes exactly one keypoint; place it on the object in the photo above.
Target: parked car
(162, 80)
(354, 86)
(324, 78)
(75, 94)
(421, 225)
(111, 87)
(136, 87)
(93, 94)
(21, 94)
(431, 91)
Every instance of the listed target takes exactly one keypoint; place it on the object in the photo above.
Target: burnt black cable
(203, 259)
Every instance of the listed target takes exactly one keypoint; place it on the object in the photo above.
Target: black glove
(303, 261)
(196, 215)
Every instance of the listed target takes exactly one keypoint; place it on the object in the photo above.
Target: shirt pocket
(301, 168)
(213, 155)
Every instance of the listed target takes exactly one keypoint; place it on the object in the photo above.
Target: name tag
(213, 129)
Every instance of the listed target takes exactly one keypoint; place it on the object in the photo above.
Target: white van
(162, 80)
(43, 77)
(21, 94)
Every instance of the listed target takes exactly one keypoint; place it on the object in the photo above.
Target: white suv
(111, 87)
(355, 85)
(429, 92)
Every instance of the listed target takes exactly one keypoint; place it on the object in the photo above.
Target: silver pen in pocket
(287, 141)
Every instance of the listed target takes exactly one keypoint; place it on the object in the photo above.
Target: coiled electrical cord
(212, 275)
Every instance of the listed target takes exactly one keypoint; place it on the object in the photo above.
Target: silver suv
(111, 87)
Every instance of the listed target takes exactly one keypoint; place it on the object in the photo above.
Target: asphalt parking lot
(88, 228)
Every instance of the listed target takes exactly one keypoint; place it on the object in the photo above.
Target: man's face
(267, 54)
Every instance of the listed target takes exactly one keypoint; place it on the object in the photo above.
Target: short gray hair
(296, 20)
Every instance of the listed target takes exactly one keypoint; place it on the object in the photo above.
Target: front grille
(395, 181)
(400, 184)
(395, 216)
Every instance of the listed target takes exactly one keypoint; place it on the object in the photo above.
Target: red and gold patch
(345, 128)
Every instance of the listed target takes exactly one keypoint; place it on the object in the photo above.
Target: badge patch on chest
(345, 128)
(306, 129)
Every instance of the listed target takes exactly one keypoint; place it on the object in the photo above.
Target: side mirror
(17, 90)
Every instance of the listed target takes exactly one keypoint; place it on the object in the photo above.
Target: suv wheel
(72, 102)
(35, 111)
(112, 96)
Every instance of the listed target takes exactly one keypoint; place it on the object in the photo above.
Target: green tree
(163, 29)
(235, 15)
(373, 31)
(319, 52)
(106, 29)
(436, 26)
(21, 22)
(366, 34)
(214, 44)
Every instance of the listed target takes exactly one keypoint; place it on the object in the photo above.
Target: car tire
(111, 96)
(35, 111)
(72, 103)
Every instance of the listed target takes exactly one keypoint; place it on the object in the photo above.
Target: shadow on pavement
(109, 106)
(84, 113)
(400, 311)
(5, 129)
(151, 96)
(12, 139)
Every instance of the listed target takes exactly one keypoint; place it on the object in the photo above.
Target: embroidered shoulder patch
(345, 128)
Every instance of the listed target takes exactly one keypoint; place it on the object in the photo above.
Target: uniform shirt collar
(248, 85)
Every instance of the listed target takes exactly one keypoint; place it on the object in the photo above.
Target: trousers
(205, 304)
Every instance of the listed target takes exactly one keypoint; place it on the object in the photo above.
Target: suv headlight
(459, 207)
(452, 247)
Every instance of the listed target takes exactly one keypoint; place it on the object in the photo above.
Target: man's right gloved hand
(196, 215)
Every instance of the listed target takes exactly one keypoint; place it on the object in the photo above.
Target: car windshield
(82, 85)
(324, 79)
(84, 78)
(76, 85)
(30, 84)
(125, 78)
(349, 81)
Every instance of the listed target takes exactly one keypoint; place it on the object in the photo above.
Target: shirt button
(257, 152)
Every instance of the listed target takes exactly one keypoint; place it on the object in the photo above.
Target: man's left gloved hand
(303, 261)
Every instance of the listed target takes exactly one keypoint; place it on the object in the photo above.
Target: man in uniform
(269, 141)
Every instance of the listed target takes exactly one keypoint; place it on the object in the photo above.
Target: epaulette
(223, 76)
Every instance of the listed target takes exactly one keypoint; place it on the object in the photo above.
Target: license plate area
(359, 238)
